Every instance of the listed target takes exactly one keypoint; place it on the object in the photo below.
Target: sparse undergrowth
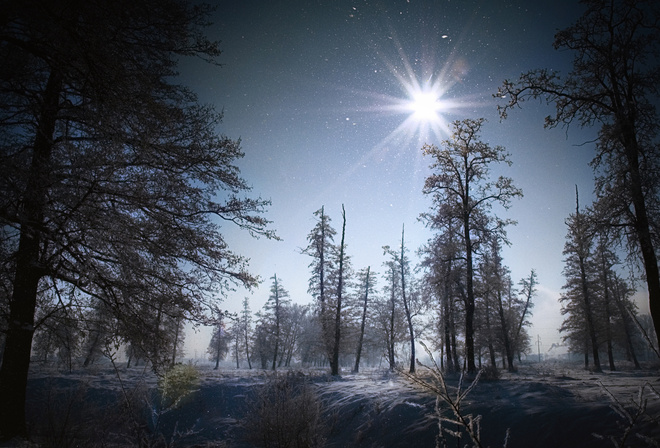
(635, 416)
(459, 424)
(286, 413)
(373, 408)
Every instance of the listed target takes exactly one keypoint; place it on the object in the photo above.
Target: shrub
(490, 373)
(285, 413)
(177, 383)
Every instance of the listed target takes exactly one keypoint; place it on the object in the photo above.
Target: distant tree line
(478, 316)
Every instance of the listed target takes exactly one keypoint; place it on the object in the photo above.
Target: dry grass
(459, 423)
(286, 413)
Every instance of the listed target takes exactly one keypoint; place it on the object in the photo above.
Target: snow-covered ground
(543, 405)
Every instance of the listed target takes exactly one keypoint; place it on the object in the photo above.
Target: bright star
(425, 106)
(425, 102)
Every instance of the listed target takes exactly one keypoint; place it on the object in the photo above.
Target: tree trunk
(453, 343)
(247, 337)
(618, 295)
(586, 354)
(469, 304)
(247, 350)
(505, 333)
(176, 339)
(356, 369)
(323, 317)
(643, 229)
(528, 300)
(89, 358)
(447, 311)
(334, 364)
(218, 352)
(18, 346)
(237, 343)
(608, 315)
(406, 306)
(591, 328)
(390, 342)
(277, 322)
(489, 332)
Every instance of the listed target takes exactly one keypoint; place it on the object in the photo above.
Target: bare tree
(341, 284)
(109, 166)
(498, 283)
(444, 271)
(622, 293)
(295, 316)
(388, 311)
(527, 291)
(613, 85)
(462, 191)
(402, 265)
(367, 284)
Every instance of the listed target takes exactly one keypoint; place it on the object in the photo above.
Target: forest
(117, 189)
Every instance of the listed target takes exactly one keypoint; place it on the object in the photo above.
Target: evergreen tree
(246, 328)
(579, 296)
(274, 312)
(219, 344)
(321, 248)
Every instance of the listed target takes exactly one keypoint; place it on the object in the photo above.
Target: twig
(470, 423)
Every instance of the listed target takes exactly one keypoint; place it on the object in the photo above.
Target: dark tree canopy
(613, 85)
(113, 178)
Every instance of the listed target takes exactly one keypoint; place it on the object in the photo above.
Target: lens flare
(425, 106)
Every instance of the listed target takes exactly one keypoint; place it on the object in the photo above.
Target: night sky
(320, 95)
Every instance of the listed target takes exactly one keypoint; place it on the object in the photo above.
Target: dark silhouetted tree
(388, 310)
(295, 316)
(622, 294)
(109, 167)
(527, 292)
(613, 85)
(402, 265)
(444, 265)
(496, 284)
